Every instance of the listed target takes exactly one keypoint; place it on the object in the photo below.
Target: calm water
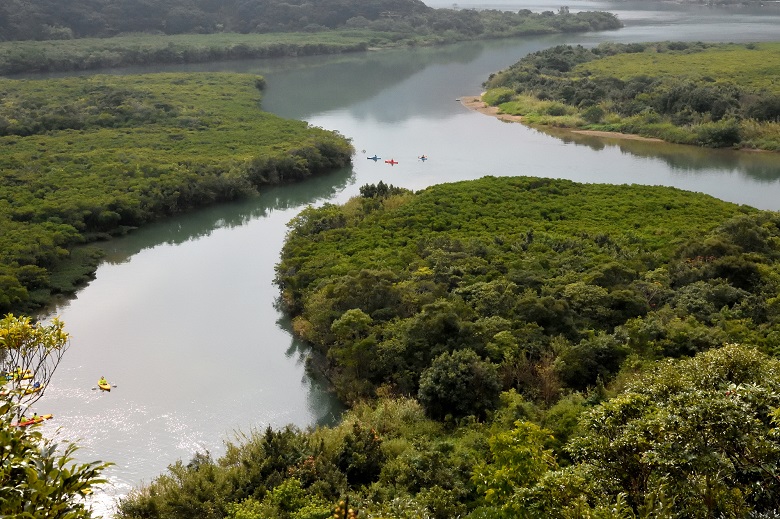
(182, 317)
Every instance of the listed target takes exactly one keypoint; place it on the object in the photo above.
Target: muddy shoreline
(476, 103)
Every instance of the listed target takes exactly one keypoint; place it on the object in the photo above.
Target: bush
(459, 384)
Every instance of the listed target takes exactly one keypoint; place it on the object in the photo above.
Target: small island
(710, 95)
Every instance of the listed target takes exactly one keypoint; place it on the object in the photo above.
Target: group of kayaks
(393, 162)
(19, 375)
(21, 380)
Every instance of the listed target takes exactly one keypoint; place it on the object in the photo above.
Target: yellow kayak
(104, 387)
(19, 375)
(32, 389)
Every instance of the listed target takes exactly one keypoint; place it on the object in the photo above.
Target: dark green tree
(459, 384)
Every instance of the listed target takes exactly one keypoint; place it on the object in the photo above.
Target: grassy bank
(713, 95)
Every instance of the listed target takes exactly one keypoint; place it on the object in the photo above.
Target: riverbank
(145, 46)
(476, 103)
(736, 112)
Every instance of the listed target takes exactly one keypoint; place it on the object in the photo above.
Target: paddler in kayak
(102, 381)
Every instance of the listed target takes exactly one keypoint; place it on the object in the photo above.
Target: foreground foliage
(691, 438)
(38, 479)
(29, 348)
(90, 157)
(713, 95)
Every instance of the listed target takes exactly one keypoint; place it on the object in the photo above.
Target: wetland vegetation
(713, 95)
(89, 34)
(87, 158)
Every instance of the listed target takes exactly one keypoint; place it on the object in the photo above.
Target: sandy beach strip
(476, 103)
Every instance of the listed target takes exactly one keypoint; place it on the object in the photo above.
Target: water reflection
(202, 223)
(756, 166)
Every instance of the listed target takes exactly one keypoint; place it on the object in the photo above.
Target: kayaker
(102, 381)
(35, 417)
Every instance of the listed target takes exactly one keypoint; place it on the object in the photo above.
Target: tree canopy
(556, 283)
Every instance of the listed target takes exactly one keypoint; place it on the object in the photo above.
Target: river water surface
(181, 316)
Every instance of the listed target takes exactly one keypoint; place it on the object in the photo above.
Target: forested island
(89, 34)
(712, 95)
(519, 347)
(89, 158)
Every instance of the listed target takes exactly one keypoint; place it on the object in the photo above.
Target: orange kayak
(30, 421)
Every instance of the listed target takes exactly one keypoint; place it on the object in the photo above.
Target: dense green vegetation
(530, 348)
(50, 19)
(694, 438)
(714, 95)
(528, 273)
(75, 41)
(86, 158)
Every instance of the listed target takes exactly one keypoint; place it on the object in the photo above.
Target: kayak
(104, 387)
(30, 421)
(29, 390)
(19, 375)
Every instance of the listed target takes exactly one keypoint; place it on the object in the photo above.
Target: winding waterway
(181, 316)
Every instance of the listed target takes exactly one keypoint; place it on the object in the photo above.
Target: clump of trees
(557, 293)
(90, 158)
(713, 95)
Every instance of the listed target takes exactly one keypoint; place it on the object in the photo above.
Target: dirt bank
(476, 103)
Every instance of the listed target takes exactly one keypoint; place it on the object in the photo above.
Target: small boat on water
(374, 158)
(19, 374)
(104, 386)
(33, 388)
(30, 421)
(391, 162)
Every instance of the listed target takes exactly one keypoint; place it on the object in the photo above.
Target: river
(181, 316)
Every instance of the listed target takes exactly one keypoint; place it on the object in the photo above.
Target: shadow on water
(203, 222)
(757, 166)
(322, 400)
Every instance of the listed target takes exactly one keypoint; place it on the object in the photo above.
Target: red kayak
(30, 421)
(391, 162)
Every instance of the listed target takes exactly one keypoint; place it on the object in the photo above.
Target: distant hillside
(54, 19)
